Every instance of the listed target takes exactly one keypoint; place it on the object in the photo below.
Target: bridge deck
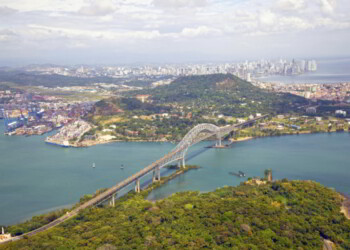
(111, 191)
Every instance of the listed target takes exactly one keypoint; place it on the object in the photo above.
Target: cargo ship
(240, 174)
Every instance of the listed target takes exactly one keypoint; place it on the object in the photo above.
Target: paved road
(108, 193)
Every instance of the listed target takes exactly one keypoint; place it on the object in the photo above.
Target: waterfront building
(142, 98)
(3, 236)
(295, 127)
(340, 113)
(311, 110)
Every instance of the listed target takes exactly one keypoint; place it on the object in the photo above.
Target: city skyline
(244, 70)
(176, 31)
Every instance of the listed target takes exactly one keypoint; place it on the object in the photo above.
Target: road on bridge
(113, 190)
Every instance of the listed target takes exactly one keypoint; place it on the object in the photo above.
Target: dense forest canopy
(225, 93)
(279, 215)
(112, 106)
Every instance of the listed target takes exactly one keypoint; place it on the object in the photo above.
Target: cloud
(288, 24)
(98, 8)
(200, 31)
(328, 6)
(267, 18)
(290, 5)
(6, 11)
(331, 24)
(175, 4)
(77, 45)
(157, 26)
(43, 5)
(7, 35)
(49, 32)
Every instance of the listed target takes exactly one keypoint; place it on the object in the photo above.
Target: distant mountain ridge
(33, 78)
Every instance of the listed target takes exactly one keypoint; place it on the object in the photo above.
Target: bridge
(198, 133)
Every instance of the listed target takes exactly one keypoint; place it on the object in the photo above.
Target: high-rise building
(311, 66)
(302, 64)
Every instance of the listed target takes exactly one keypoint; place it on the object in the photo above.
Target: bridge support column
(218, 143)
(113, 200)
(219, 137)
(156, 175)
(179, 164)
(137, 186)
(183, 162)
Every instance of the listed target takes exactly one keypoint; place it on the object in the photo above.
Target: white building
(341, 113)
(311, 110)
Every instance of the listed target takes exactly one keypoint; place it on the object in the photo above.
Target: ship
(240, 174)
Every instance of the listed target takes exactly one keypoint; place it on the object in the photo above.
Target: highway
(170, 157)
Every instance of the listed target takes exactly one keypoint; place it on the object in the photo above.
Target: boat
(122, 166)
(93, 165)
(239, 174)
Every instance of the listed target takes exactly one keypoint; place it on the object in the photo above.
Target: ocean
(329, 71)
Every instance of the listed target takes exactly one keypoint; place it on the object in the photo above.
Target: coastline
(241, 139)
(166, 179)
(345, 208)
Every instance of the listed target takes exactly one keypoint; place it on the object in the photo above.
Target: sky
(170, 31)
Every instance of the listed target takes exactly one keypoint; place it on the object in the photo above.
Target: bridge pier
(156, 175)
(218, 143)
(112, 201)
(179, 164)
(137, 186)
(183, 162)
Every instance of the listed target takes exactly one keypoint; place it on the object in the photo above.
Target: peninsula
(272, 215)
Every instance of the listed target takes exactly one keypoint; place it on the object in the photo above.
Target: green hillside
(279, 215)
(227, 94)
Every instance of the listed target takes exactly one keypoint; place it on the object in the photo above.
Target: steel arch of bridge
(190, 138)
(198, 133)
(195, 135)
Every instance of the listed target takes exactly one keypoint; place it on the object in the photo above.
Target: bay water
(328, 71)
(36, 177)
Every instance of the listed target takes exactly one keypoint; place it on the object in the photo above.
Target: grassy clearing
(109, 120)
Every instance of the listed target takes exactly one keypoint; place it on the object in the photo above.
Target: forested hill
(225, 93)
(279, 215)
